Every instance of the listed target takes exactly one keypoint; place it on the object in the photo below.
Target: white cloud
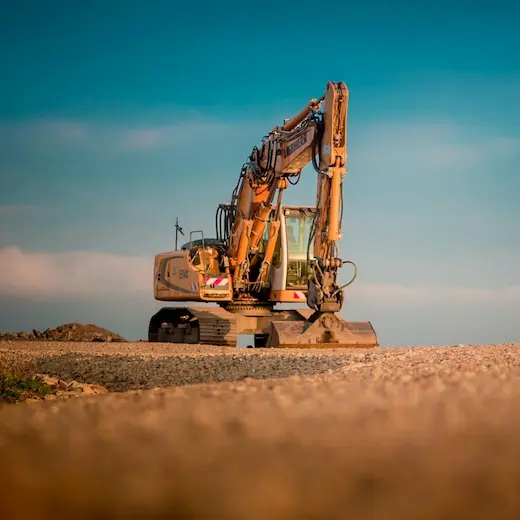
(174, 135)
(416, 147)
(145, 138)
(95, 275)
(42, 134)
(73, 275)
(68, 135)
(402, 296)
(410, 146)
(16, 210)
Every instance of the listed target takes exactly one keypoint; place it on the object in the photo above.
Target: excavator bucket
(322, 330)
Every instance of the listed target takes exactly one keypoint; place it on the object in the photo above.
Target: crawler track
(215, 326)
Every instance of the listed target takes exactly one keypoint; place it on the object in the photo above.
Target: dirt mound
(66, 332)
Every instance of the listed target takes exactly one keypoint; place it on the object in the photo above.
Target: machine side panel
(175, 279)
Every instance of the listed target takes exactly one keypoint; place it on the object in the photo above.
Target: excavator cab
(291, 268)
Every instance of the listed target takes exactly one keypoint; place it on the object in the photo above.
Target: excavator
(266, 253)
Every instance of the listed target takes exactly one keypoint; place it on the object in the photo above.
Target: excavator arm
(313, 136)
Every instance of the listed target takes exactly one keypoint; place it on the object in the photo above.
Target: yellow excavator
(266, 253)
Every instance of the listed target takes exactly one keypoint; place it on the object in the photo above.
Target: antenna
(178, 230)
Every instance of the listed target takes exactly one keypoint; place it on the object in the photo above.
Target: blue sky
(116, 117)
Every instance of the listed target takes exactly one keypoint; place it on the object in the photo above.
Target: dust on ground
(411, 433)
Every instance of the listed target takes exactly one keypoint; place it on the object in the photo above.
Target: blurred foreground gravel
(417, 433)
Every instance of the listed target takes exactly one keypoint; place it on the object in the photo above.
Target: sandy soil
(424, 433)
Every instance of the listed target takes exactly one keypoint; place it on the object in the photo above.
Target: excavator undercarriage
(292, 328)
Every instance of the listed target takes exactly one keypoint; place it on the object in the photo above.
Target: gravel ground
(131, 366)
(418, 433)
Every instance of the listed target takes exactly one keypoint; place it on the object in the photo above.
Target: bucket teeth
(322, 330)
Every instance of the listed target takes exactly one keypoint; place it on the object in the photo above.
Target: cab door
(290, 266)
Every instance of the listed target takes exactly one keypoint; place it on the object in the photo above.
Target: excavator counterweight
(267, 253)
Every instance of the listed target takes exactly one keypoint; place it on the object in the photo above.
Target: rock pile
(66, 332)
(69, 388)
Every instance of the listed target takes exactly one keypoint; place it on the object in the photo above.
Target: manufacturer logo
(295, 145)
